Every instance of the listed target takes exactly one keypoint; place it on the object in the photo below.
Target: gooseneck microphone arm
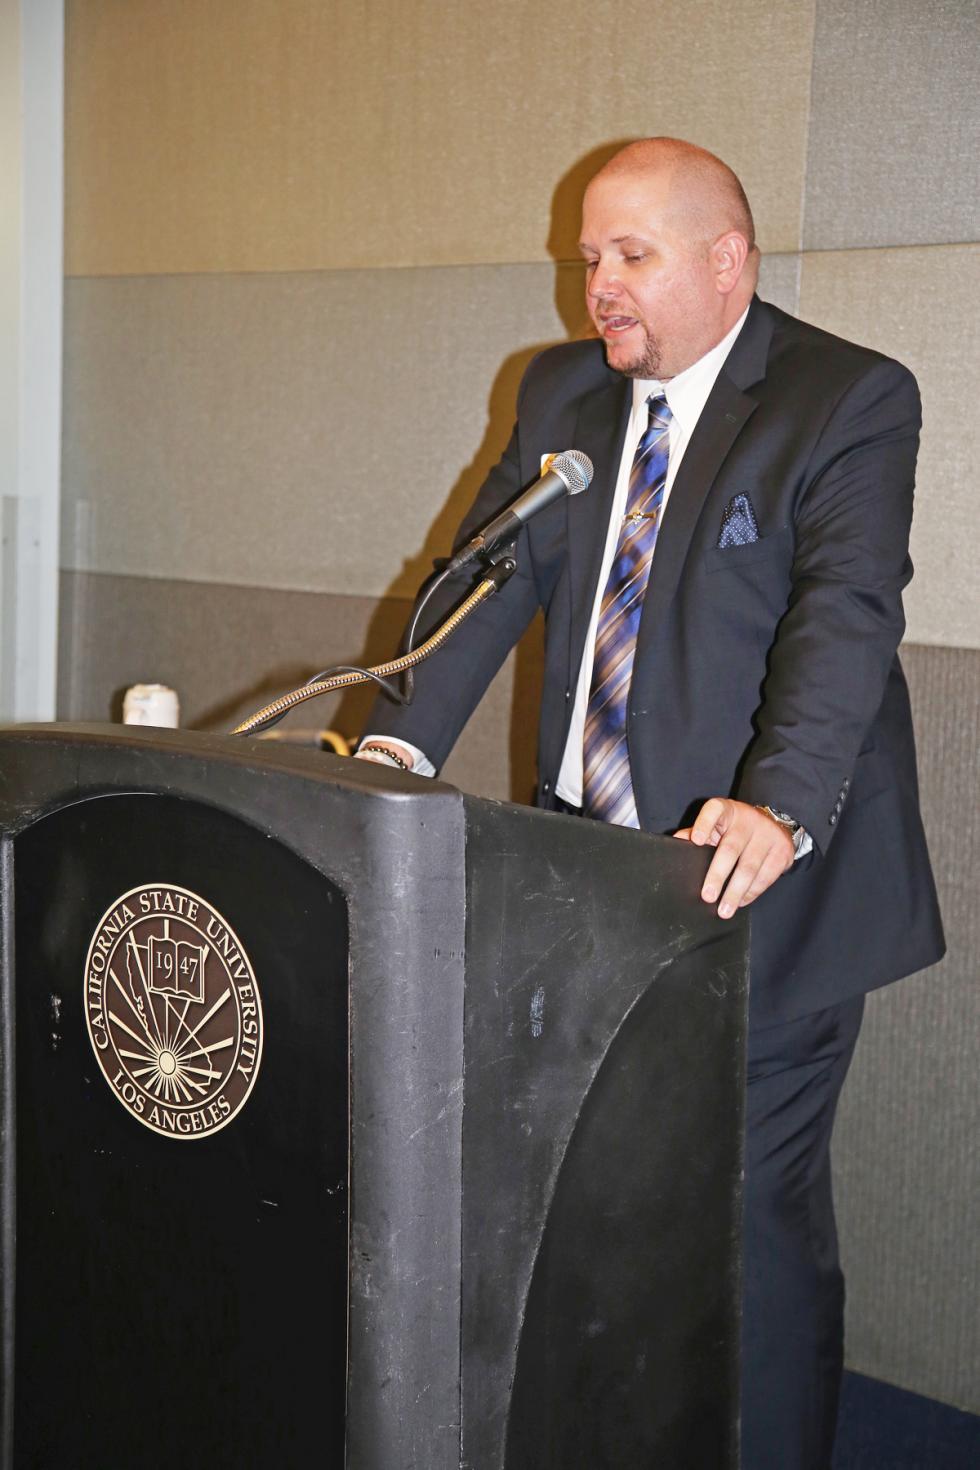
(272, 713)
(566, 474)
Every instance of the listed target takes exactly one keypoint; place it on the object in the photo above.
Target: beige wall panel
(229, 650)
(244, 135)
(920, 306)
(894, 124)
(905, 1150)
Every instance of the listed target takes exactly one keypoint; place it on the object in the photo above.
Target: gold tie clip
(641, 515)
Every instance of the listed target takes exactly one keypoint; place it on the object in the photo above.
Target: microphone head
(575, 468)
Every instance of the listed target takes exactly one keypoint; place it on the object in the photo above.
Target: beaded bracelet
(387, 752)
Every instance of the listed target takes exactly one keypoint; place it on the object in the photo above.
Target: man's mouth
(613, 326)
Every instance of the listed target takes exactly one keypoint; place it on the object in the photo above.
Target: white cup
(151, 704)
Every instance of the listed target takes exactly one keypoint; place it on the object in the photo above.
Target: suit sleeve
(836, 643)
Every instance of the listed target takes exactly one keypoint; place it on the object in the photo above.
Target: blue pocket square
(738, 524)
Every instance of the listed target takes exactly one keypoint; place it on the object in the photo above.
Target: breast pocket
(734, 558)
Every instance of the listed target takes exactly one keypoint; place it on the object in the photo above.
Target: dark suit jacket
(766, 671)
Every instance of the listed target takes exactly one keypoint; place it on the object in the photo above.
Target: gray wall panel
(296, 431)
(894, 124)
(779, 281)
(920, 306)
(907, 1147)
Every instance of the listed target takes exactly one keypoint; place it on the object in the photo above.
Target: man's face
(650, 286)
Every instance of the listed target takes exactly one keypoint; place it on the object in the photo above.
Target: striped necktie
(607, 786)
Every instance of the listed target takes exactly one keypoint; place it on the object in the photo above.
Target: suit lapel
(726, 411)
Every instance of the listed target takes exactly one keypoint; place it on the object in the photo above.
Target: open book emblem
(176, 967)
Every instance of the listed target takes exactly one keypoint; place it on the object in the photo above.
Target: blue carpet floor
(886, 1428)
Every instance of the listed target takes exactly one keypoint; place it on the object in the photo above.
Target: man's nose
(602, 283)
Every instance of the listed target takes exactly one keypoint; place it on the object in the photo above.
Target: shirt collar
(688, 393)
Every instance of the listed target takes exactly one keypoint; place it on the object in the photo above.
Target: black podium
(350, 1121)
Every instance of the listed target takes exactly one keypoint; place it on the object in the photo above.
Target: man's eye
(633, 259)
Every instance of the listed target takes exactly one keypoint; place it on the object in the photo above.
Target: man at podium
(723, 609)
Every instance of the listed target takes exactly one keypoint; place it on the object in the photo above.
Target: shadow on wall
(562, 245)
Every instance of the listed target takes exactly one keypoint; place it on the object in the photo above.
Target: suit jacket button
(832, 819)
(568, 695)
(546, 787)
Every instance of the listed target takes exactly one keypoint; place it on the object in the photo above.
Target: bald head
(672, 263)
(703, 194)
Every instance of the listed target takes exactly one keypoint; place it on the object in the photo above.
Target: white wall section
(31, 289)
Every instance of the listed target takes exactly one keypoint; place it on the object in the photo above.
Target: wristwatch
(793, 827)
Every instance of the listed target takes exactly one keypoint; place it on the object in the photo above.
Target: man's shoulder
(797, 369)
(798, 344)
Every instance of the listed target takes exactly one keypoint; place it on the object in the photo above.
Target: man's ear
(728, 256)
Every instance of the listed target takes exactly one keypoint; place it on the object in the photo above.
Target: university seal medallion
(173, 1011)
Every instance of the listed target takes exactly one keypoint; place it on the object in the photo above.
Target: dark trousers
(793, 1300)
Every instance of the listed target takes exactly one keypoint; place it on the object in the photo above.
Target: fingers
(755, 870)
(752, 851)
(712, 821)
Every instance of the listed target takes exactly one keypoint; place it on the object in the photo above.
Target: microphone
(567, 474)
